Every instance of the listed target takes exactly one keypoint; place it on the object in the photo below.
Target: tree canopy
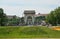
(3, 17)
(54, 17)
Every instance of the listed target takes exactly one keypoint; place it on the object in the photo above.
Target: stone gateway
(29, 17)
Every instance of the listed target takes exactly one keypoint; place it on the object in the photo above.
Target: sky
(17, 7)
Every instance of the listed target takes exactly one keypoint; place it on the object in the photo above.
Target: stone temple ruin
(29, 17)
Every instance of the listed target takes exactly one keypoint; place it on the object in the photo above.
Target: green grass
(28, 32)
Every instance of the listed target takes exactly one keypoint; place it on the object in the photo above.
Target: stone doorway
(29, 20)
(29, 17)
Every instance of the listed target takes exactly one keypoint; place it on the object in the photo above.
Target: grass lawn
(28, 32)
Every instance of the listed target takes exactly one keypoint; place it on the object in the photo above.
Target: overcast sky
(17, 7)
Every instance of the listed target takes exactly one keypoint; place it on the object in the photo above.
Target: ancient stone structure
(29, 17)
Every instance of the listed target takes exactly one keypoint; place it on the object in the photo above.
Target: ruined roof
(10, 16)
(29, 12)
(42, 14)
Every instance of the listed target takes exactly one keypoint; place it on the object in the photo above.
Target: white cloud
(17, 10)
(16, 7)
(31, 1)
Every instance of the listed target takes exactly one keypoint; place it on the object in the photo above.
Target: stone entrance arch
(29, 20)
(29, 17)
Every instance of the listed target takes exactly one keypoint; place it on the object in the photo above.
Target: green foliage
(14, 21)
(54, 17)
(28, 32)
(3, 18)
(39, 18)
(22, 20)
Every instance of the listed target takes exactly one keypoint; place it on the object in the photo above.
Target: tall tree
(54, 17)
(3, 17)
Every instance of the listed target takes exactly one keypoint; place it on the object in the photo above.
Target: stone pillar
(25, 19)
(33, 19)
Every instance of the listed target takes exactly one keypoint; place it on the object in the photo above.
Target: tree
(14, 21)
(3, 17)
(54, 17)
(39, 19)
(22, 20)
